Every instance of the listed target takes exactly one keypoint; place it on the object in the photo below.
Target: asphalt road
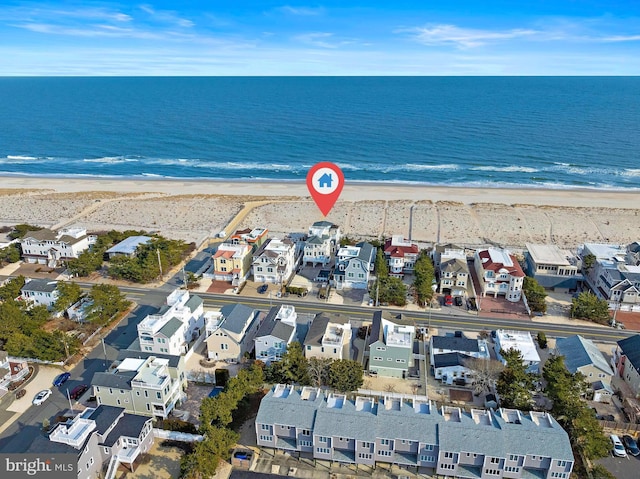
(19, 435)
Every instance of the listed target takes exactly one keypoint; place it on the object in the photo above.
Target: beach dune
(196, 210)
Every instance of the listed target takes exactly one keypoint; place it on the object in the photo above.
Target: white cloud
(463, 37)
(322, 40)
(302, 11)
(622, 38)
(166, 16)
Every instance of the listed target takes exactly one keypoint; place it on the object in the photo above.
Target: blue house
(325, 181)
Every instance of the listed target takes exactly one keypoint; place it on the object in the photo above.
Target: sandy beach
(196, 210)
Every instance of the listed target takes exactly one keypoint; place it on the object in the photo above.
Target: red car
(448, 300)
(78, 391)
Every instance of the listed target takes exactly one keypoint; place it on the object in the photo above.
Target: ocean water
(557, 132)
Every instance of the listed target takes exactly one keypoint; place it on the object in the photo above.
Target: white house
(329, 337)
(552, 267)
(401, 255)
(276, 331)
(174, 328)
(51, 248)
(499, 273)
(274, 262)
(448, 356)
(326, 228)
(520, 341)
(354, 264)
(40, 292)
(317, 250)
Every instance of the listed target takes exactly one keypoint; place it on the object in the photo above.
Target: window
(428, 447)
(400, 361)
(305, 443)
(562, 463)
(448, 455)
(266, 438)
(91, 460)
(495, 460)
(146, 393)
(265, 427)
(384, 453)
(110, 391)
(378, 359)
(448, 466)
(118, 402)
(224, 346)
(158, 395)
(425, 458)
(363, 455)
(381, 348)
(366, 444)
(323, 439)
(493, 472)
(384, 442)
(106, 450)
(306, 432)
(323, 450)
(511, 469)
(513, 457)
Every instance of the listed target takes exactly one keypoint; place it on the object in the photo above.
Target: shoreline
(353, 191)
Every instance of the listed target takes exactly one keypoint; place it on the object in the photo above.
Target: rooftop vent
(335, 401)
(364, 404)
(309, 393)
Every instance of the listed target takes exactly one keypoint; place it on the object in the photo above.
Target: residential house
(99, 438)
(231, 262)
(40, 292)
(78, 310)
(253, 237)
(626, 360)
(454, 276)
(127, 247)
(230, 333)
(633, 253)
(274, 262)
(499, 273)
(321, 243)
(354, 265)
(11, 370)
(611, 278)
(449, 356)
(144, 383)
(390, 347)
(582, 355)
(52, 248)
(175, 327)
(520, 341)
(276, 332)
(552, 267)
(443, 252)
(329, 336)
(412, 431)
(401, 255)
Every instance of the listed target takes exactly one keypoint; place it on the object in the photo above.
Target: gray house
(390, 347)
(102, 437)
(276, 331)
(412, 431)
(230, 334)
(354, 264)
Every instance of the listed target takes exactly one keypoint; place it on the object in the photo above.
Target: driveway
(621, 467)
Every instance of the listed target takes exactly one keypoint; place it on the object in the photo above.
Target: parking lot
(621, 467)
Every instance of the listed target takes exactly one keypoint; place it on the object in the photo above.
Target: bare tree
(485, 373)
(318, 370)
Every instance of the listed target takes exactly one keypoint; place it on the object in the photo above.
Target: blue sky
(454, 37)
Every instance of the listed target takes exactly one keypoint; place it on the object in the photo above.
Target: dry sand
(195, 210)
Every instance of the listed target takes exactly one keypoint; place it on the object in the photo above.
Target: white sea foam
(630, 172)
(111, 160)
(506, 169)
(21, 157)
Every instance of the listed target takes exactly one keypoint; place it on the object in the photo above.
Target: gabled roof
(394, 250)
(40, 285)
(454, 343)
(104, 416)
(367, 252)
(237, 316)
(120, 380)
(193, 303)
(319, 326)
(631, 349)
(376, 333)
(323, 224)
(271, 326)
(170, 328)
(41, 235)
(579, 352)
(130, 425)
(317, 240)
(454, 265)
(449, 359)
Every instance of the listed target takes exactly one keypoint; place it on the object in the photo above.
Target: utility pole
(104, 350)
(69, 398)
(184, 279)
(159, 262)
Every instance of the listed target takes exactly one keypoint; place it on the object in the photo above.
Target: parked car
(21, 393)
(78, 391)
(618, 447)
(448, 300)
(41, 397)
(263, 289)
(458, 301)
(630, 445)
(61, 379)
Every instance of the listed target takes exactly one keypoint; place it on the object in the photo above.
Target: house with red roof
(499, 273)
(401, 255)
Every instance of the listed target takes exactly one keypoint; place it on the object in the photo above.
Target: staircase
(114, 462)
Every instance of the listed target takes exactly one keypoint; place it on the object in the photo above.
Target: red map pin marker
(325, 181)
